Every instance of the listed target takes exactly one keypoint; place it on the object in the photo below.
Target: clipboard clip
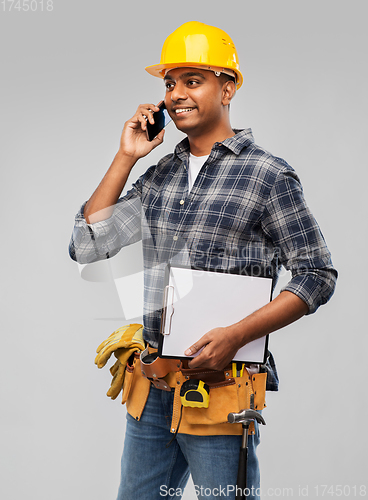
(168, 310)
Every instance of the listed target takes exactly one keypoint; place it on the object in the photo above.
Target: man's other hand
(216, 349)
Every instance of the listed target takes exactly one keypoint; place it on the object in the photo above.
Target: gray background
(69, 79)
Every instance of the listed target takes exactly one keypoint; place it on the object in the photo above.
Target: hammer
(245, 417)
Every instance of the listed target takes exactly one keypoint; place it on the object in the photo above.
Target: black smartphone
(162, 118)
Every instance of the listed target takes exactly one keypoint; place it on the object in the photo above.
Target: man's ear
(228, 92)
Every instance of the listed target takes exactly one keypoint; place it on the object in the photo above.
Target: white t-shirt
(195, 165)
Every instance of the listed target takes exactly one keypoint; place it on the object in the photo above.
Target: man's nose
(178, 93)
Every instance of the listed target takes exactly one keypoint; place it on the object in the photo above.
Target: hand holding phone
(162, 118)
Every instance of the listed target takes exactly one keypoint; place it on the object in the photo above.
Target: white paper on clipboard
(196, 301)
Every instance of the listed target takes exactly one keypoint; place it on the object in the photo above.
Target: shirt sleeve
(102, 240)
(299, 242)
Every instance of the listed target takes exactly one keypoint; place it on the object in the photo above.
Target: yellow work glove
(118, 373)
(123, 343)
(126, 337)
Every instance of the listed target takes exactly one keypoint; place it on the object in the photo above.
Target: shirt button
(175, 238)
(181, 202)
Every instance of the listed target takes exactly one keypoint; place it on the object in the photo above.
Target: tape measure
(195, 393)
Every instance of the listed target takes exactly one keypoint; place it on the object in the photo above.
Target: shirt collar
(241, 140)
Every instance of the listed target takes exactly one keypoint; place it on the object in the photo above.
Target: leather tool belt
(228, 393)
(156, 369)
(233, 390)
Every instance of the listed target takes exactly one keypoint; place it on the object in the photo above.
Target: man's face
(194, 99)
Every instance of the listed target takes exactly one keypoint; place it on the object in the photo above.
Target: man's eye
(169, 85)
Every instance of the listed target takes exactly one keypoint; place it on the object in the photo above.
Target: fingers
(133, 140)
(145, 113)
(195, 348)
(159, 139)
(212, 351)
(209, 358)
(198, 351)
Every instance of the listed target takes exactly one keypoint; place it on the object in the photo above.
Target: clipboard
(196, 301)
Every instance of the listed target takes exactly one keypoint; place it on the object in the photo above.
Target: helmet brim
(159, 70)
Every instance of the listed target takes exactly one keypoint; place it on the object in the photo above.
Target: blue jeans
(152, 471)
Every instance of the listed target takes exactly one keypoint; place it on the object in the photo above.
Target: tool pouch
(135, 389)
(232, 394)
(227, 393)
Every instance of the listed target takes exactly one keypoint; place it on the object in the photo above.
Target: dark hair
(227, 78)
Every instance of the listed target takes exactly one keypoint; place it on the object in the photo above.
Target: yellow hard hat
(196, 45)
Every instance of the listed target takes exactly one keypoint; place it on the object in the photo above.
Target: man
(220, 202)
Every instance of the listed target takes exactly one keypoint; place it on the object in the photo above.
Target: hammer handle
(241, 481)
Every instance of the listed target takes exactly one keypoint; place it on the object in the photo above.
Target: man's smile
(180, 111)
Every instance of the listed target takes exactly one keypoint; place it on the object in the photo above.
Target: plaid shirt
(245, 214)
